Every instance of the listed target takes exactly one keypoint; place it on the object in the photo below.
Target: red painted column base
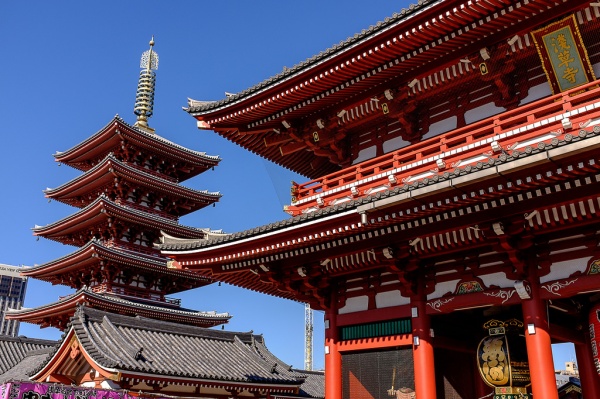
(539, 348)
(333, 360)
(424, 366)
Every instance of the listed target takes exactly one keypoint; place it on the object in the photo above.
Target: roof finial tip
(152, 41)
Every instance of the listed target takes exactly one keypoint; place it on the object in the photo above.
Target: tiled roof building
(139, 354)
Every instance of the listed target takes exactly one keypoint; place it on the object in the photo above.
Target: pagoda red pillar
(333, 358)
(422, 350)
(590, 381)
(537, 338)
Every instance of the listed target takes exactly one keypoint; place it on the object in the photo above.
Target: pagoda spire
(144, 98)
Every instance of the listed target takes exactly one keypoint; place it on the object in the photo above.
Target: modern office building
(12, 295)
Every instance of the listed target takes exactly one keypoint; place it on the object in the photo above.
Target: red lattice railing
(542, 121)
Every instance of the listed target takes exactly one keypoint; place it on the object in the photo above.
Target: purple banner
(29, 390)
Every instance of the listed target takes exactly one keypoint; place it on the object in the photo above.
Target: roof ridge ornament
(144, 97)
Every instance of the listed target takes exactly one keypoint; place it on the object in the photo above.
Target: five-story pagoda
(128, 195)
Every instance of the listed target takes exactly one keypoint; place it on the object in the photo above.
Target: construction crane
(308, 337)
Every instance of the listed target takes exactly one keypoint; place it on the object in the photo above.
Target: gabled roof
(111, 137)
(337, 50)
(65, 308)
(77, 192)
(100, 210)
(96, 251)
(149, 350)
(278, 118)
(21, 356)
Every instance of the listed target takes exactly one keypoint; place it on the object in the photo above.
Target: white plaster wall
(482, 112)
(365, 154)
(394, 144)
(562, 270)
(537, 92)
(440, 127)
(596, 68)
(355, 304)
(499, 279)
(390, 298)
(442, 289)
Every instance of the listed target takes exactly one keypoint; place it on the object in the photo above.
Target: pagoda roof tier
(137, 353)
(58, 314)
(301, 117)
(82, 190)
(549, 193)
(120, 138)
(96, 254)
(101, 216)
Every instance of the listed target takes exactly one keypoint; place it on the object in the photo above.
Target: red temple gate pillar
(333, 358)
(590, 381)
(539, 348)
(424, 366)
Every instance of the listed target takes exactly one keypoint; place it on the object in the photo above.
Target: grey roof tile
(141, 345)
(20, 356)
(176, 244)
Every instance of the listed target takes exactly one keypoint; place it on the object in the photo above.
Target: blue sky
(67, 67)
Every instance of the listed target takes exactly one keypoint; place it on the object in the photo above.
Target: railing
(542, 121)
(147, 209)
(153, 172)
(133, 248)
(127, 293)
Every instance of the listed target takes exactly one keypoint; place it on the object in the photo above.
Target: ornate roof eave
(420, 28)
(95, 250)
(461, 177)
(198, 108)
(428, 45)
(112, 166)
(103, 207)
(156, 143)
(62, 354)
(110, 303)
(126, 364)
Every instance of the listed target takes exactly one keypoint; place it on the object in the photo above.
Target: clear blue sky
(67, 67)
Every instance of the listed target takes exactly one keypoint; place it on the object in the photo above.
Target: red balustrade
(541, 121)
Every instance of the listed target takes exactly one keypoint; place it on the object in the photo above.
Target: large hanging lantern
(502, 359)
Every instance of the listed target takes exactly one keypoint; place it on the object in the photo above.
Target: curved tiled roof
(134, 345)
(172, 245)
(107, 298)
(20, 356)
(110, 164)
(98, 250)
(110, 207)
(146, 135)
(200, 106)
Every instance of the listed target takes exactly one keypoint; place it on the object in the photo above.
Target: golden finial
(144, 98)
